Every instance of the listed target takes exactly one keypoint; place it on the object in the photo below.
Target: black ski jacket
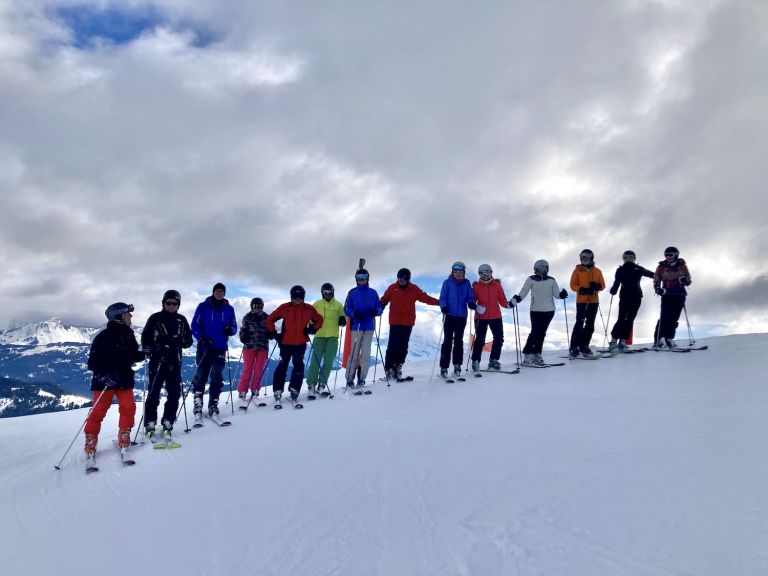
(113, 352)
(628, 275)
(166, 334)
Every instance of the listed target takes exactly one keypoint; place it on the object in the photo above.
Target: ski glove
(595, 286)
(472, 305)
(660, 291)
(511, 303)
(685, 281)
(517, 298)
(444, 309)
(272, 334)
(585, 291)
(613, 290)
(563, 294)
(480, 309)
(309, 330)
(106, 379)
(342, 321)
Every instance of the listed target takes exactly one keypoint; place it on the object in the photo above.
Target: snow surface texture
(651, 464)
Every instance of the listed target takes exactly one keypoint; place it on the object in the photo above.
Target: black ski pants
(481, 329)
(539, 325)
(625, 321)
(584, 326)
(210, 362)
(397, 347)
(671, 308)
(293, 353)
(163, 370)
(453, 342)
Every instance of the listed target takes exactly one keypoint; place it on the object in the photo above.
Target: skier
(490, 297)
(456, 296)
(669, 281)
(628, 276)
(326, 341)
(164, 336)
(299, 321)
(544, 290)
(587, 281)
(362, 306)
(112, 354)
(403, 296)
(212, 325)
(253, 335)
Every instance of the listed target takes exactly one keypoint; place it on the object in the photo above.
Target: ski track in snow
(649, 465)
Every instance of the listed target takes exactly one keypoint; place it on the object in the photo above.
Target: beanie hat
(219, 286)
(171, 295)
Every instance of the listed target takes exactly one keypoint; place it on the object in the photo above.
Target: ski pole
(320, 371)
(379, 355)
(144, 396)
(516, 322)
(229, 370)
(239, 363)
(437, 353)
(567, 331)
(58, 466)
(339, 356)
(605, 336)
(691, 340)
(470, 343)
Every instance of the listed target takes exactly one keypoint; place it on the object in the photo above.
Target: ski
(167, 442)
(221, 423)
(363, 392)
(296, 404)
(448, 380)
(278, 406)
(694, 348)
(311, 396)
(515, 371)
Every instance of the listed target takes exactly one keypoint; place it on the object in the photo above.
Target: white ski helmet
(541, 267)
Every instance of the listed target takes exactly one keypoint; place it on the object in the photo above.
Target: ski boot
(538, 360)
(475, 366)
(197, 409)
(574, 352)
(494, 365)
(457, 370)
(149, 430)
(670, 343)
(90, 445)
(444, 373)
(213, 408)
(124, 438)
(391, 374)
(351, 385)
(528, 360)
(622, 346)
(659, 344)
(278, 399)
(613, 346)
(586, 351)
(398, 371)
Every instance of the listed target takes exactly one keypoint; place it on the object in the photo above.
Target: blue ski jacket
(363, 305)
(214, 322)
(456, 295)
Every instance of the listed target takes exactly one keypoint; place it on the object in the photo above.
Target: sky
(155, 145)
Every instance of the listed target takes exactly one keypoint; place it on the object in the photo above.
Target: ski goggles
(669, 254)
(171, 303)
(404, 277)
(628, 258)
(458, 269)
(361, 277)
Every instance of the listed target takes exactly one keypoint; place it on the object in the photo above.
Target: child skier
(326, 341)
(544, 290)
(587, 281)
(362, 306)
(253, 335)
(628, 276)
(456, 296)
(489, 297)
(669, 281)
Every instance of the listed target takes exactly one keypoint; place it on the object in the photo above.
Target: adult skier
(362, 306)
(165, 335)
(587, 281)
(326, 342)
(456, 296)
(300, 320)
(669, 281)
(113, 353)
(402, 295)
(628, 277)
(490, 298)
(212, 325)
(544, 290)
(253, 335)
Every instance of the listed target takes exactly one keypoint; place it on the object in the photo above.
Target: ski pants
(671, 308)
(397, 347)
(453, 341)
(254, 363)
(481, 329)
(210, 362)
(324, 349)
(162, 370)
(628, 308)
(360, 354)
(539, 325)
(102, 400)
(294, 354)
(584, 326)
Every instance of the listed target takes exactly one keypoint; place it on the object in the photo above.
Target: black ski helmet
(219, 286)
(404, 274)
(628, 256)
(117, 310)
(171, 295)
(327, 288)
(298, 292)
(257, 302)
(587, 253)
(362, 274)
(541, 267)
(672, 250)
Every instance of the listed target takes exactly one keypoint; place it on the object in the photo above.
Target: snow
(651, 464)
(42, 392)
(48, 332)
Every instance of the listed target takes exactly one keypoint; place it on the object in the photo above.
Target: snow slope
(652, 464)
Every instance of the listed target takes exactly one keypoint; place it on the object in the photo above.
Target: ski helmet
(672, 251)
(485, 270)
(117, 310)
(586, 253)
(219, 286)
(171, 295)
(257, 302)
(298, 292)
(541, 267)
(404, 274)
(459, 267)
(628, 256)
(327, 288)
(362, 274)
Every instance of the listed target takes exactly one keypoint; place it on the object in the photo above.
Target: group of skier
(167, 333)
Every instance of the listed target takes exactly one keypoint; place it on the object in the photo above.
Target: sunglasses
(458, 269)
(670, 254)
(404, 278)
(171, 303)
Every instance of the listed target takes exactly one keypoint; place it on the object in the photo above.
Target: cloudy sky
(155, 145)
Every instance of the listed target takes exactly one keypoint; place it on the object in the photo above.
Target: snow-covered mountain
(19, 398)
(649, 464)
(46, 333)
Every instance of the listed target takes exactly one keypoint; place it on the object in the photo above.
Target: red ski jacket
(403, 299)
(491, 296)
(295, 318)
